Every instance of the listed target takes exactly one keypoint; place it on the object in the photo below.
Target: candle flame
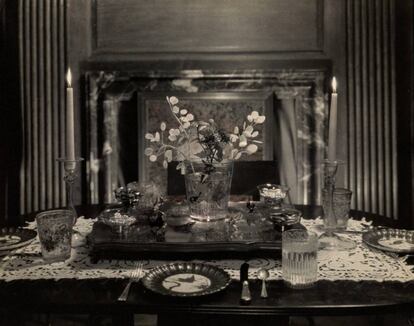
(69, 78)
(334, 85)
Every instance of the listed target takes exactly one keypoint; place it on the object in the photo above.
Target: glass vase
(208, 189)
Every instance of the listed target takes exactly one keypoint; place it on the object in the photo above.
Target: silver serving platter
(391, 240)
(186, 279)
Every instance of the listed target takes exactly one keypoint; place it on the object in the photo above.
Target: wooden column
(42, 37)
(372, 136)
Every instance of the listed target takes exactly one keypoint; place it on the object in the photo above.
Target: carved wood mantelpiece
(121, 106)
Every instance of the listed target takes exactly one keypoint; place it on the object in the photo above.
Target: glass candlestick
(71, 168)
(330, 170)
(329, 239)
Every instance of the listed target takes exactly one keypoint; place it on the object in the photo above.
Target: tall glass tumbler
(299, 258)
(55, 234)
(341, 205)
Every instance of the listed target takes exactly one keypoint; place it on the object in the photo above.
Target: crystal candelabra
(329, 239)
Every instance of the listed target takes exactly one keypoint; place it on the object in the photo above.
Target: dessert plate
(186, 279)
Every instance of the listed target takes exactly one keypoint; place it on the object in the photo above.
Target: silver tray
(186, 279)
(391, 240)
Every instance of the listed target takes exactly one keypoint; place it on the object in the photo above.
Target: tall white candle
(70, 125)
(333, 123)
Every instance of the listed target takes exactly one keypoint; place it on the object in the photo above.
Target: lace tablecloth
(357, 264)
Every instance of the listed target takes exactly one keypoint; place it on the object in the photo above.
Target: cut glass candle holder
(71, 173)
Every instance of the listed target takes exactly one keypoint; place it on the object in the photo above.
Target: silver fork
(135, 276)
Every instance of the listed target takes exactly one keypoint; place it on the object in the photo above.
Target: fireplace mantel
(293, 100)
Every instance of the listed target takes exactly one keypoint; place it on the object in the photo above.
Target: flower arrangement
(201, 141)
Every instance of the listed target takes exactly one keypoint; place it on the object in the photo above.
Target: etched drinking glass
(299, 258)
(341, 205)
(55, 234)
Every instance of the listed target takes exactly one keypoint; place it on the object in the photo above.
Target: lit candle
(70, 126)
(332, 123)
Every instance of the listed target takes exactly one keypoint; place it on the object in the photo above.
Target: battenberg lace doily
(361, 263)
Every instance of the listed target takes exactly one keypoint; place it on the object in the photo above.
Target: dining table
(364, 281)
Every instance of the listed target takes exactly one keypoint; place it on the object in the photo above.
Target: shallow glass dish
(286, 216)
(116, 219)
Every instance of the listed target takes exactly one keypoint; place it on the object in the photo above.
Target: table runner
(359, 264)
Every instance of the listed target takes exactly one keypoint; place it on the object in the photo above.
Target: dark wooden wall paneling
(372, 166)
(10, 127)
(42, 35)
(130, 26)
(404, 71)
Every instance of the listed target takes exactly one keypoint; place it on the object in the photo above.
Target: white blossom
(173, 100)
(174, 132)
(156, 137)
(255, 115)
(260, 119)
(243, 141)
(153, 158)
(248, 131)
(168, 155)
(252, 148)
(233, 138)
(163, 126)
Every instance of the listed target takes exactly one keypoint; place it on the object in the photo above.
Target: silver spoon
(263, 275)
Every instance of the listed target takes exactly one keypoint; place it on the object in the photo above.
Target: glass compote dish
(272, 197)
(330, 240)
(136, 204)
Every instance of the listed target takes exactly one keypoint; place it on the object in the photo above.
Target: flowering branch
(204, 141)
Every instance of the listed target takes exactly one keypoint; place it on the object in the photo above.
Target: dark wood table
(93, 296)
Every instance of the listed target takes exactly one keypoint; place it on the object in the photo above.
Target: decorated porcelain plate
(391, 240)
(13, 238)
(186, 279)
